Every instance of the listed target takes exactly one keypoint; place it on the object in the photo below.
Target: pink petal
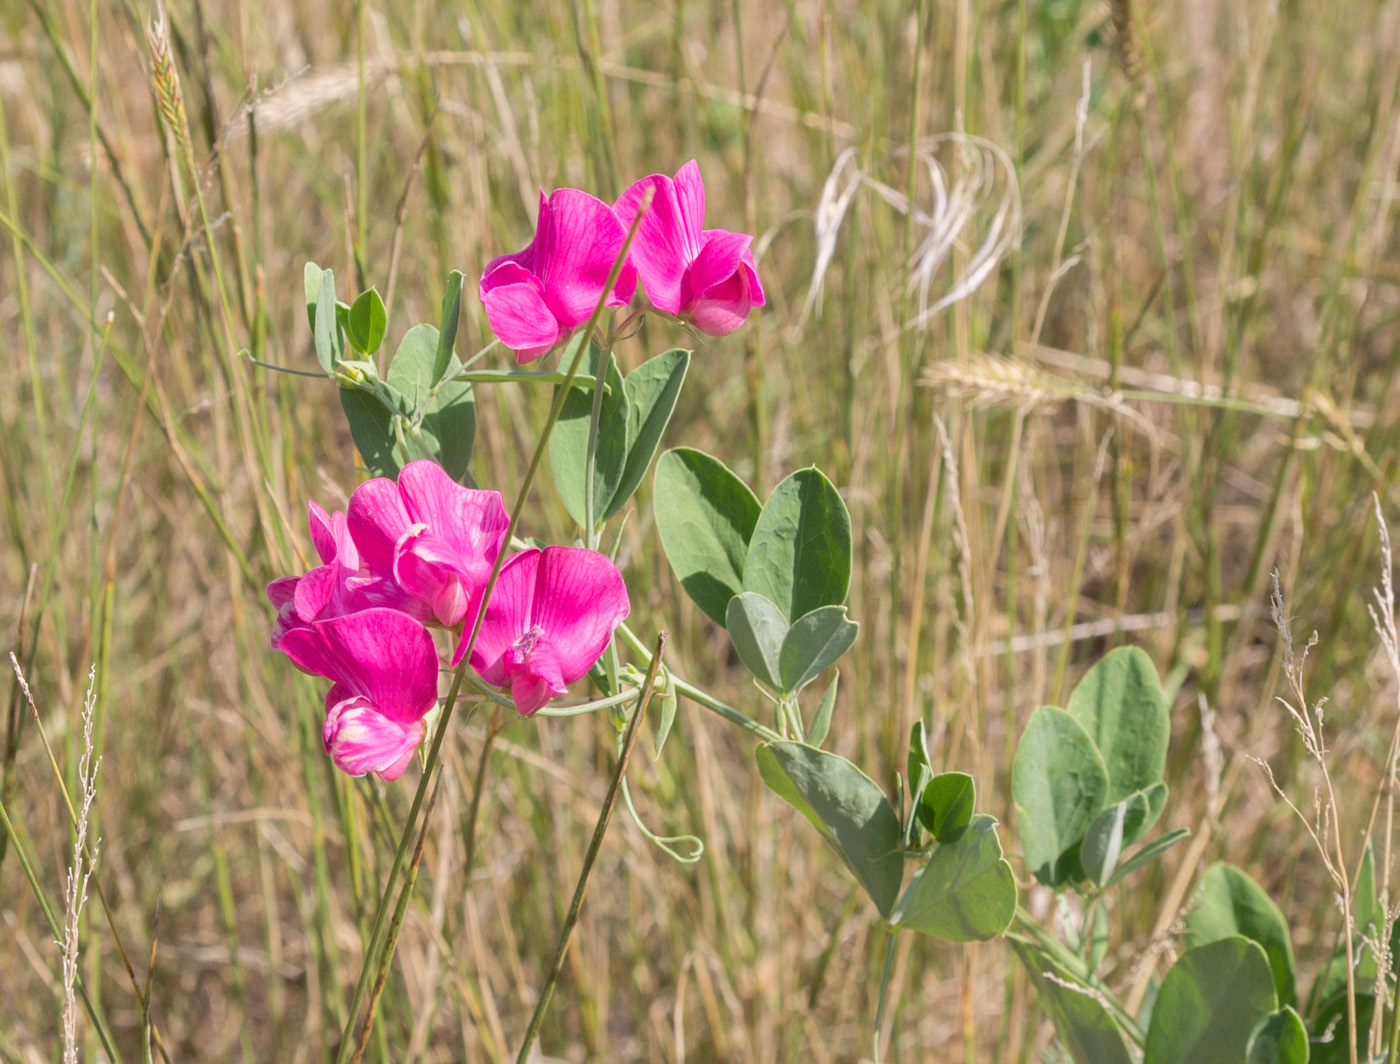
(575, 245)
(507, 616)
(379, 654)
(362, 740)
(662, 249)
(517, 312)
(322, 532)
(690, 195)
(722, 284)
(471, 523)
(536, 680)
(281, 590)
(377, 519)
(314, 591)
(580, 599)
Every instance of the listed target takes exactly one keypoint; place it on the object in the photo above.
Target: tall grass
(1181, 378)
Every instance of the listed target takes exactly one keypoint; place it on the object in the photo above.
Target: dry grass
(1185, 379)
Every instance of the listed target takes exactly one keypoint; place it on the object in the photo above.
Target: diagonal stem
(590, 858)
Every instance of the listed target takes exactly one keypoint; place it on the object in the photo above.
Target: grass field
(1168, 371)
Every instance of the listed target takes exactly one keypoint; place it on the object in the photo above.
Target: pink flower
(535, 298)
(383, 667)
(704, 276)
(549, 619)
(339, 585)
(437, 538)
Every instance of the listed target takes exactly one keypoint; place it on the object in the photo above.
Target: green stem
(595, 417)
(728, 712)
(591, 857)
(884, 988)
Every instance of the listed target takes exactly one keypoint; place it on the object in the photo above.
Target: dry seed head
(166, 82)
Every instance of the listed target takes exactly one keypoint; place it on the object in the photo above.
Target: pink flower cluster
(419, 552)
(537, 297)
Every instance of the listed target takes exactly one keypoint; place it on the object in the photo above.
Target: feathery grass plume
(983, 172)
(75, 890)
(165, 80)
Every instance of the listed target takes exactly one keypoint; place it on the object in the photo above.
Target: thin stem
(397, 923)
(590, 858)
(884, 988)
(595, 417)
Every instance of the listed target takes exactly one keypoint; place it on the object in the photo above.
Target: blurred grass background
(1181, 378)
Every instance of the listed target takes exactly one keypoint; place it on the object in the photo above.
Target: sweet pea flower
(437, 538)
(535, 298)
(548, 620)
(383, 667)
(703, 276)
(339, 585)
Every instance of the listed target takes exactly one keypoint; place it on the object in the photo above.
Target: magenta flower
(549, 619)
(437, 538)
(535, 298)
(383, 667)
(339, 585)
(703, 276)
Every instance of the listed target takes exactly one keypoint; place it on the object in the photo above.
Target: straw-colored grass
(1171, 369)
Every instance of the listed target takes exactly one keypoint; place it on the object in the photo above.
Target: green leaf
(447, 326)
(945, 807)
(1059, 783)
(757, 628)
(367, 322)
(1332, 1016)
(918, 769)
(1087, 1030)
(965, 892)
(443, 427)
(311, 284)
(651, 392)
(372, 429)
(800, 552)
(706, 516)
(847, 807)
(1121, 705)
(821, 723)
(1279, 1038)
(669, 703)
(326, 326)
(1229, 902)
(814, 642)
(1209, 1004)
(568, 445)
(1116, 827)
(1147, 854)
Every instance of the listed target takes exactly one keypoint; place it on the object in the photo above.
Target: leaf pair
(774, 575)
(634, 414)
(1087, 779)
(965, 891)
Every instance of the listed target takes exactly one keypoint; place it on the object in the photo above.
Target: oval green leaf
(800, 553)
(965, 892)
(757, 628)
(1059, 784)
(651, 392)
(447, 326)
(326, 326)
(1121, 705)
(1280, 1038)
(847, 807)
(568, 444)
(1209, 1004)
(366, 322)
(821, 722)
(372, 429)
(945, 806)
(1230, 902)
(814, 642)
(443, 424)
(706, 516)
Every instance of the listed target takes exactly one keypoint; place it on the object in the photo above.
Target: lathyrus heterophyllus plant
(420, 548)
